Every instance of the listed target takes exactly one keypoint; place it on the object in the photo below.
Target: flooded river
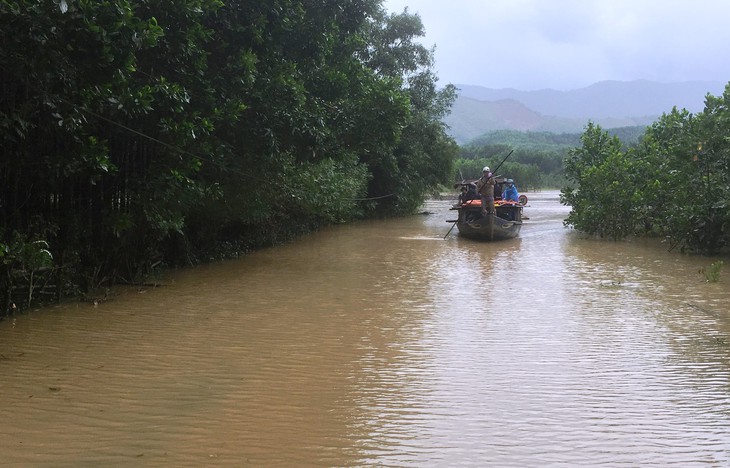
(383, 344)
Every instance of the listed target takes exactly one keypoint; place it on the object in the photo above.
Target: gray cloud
(566, 44)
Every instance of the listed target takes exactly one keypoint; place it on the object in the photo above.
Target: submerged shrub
(712, 273)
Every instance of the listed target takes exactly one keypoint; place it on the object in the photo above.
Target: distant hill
(608, 103)
(471, 118)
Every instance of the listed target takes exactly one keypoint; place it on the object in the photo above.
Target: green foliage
(23, 257)
(607, 200)
(145, 132)
(26, 254)
(712, 273)
(420, 155)
(526, 140)
(674, 184)
(629, 136)
(325, 192)
(537, 160)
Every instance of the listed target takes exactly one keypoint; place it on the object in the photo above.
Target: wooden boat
(505, 223)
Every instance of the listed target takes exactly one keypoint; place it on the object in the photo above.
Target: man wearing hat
(485, 188)
(510, 192)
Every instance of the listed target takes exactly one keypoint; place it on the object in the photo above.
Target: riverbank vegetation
(674, 185)
(537, 161)
(712, 272)
(137, 134)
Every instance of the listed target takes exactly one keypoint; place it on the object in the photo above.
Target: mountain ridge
(610, 104)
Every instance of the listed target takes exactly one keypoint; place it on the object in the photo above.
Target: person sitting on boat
(468, 192)
(462, 196)
(473, 195)
(510, 192)
(485, 188)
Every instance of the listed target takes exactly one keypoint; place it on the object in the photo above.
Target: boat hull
(505, 224)
(489, 228)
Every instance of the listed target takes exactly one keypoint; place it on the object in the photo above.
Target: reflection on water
(382, 343)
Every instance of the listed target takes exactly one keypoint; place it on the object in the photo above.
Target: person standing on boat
(510, 192)
(485, 188)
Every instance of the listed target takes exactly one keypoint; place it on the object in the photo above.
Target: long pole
(500, 164)
(452, 227)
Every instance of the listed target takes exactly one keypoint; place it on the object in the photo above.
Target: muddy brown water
(383, 344)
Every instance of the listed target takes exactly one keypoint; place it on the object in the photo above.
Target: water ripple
(383, 344)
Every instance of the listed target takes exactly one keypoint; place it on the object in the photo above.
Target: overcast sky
(569, 44)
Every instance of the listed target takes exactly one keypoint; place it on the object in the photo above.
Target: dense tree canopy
(675, 184)
(536, 161)
(144, 132)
